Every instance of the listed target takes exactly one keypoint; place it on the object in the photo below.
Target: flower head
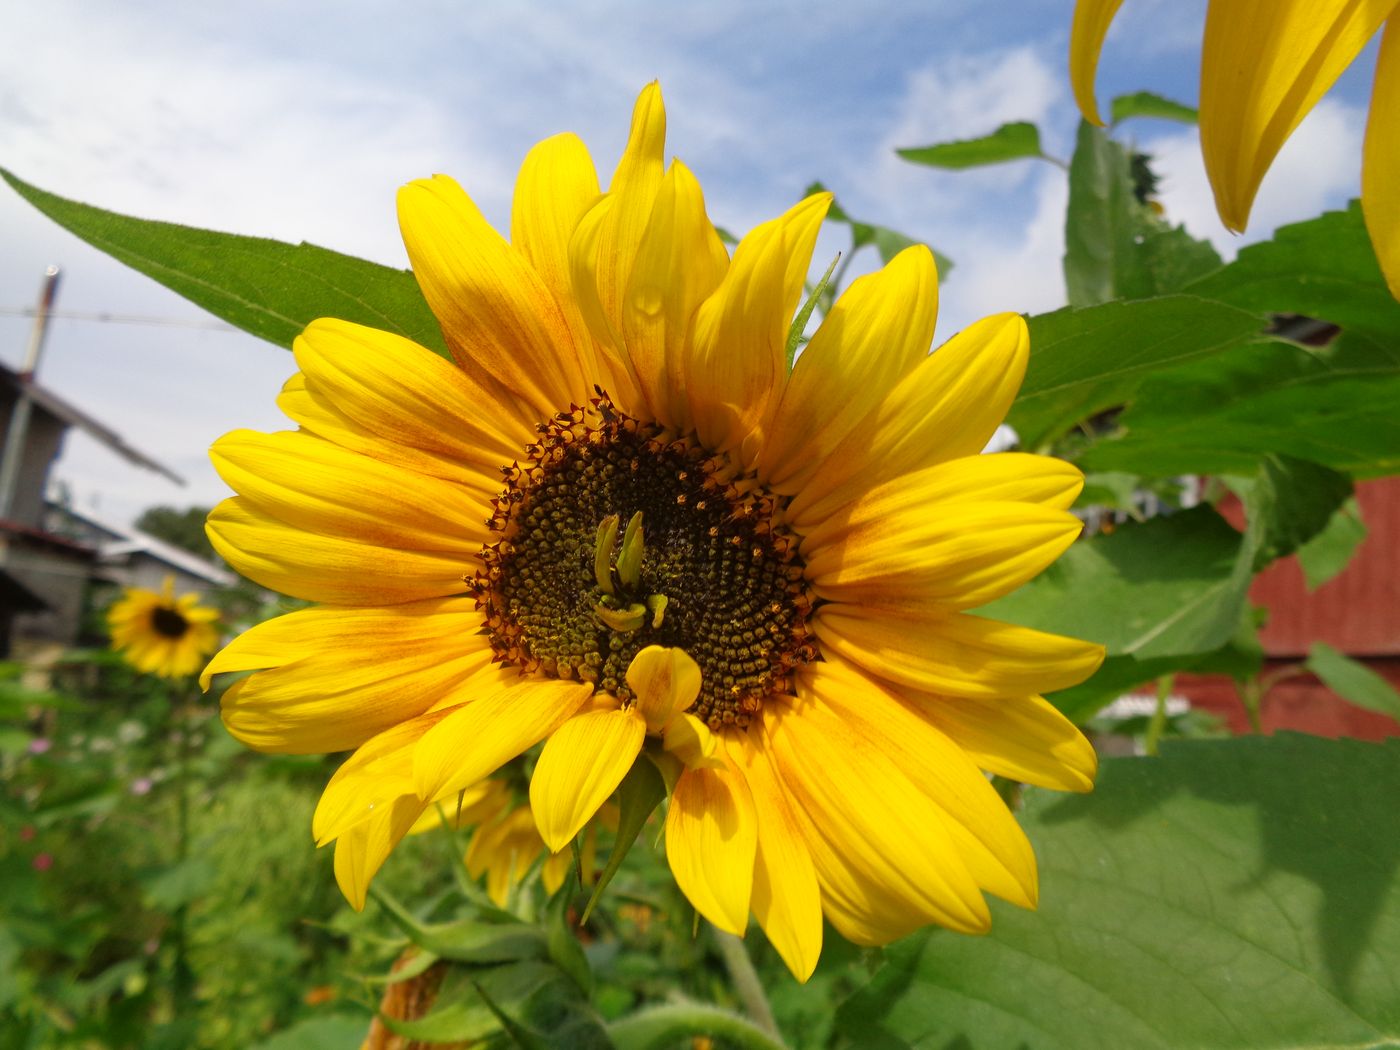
(617, 523)
(1264, 65)
(160, 634)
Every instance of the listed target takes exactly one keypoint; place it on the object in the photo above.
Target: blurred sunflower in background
(620, 524)
(1264, 65)
(159, 634)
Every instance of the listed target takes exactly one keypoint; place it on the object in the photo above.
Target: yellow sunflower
(1264, 65)
(619, 523)
(160, 634)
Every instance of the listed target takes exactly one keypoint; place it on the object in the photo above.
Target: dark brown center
(168, 623)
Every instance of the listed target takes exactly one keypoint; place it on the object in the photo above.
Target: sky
(300, 121)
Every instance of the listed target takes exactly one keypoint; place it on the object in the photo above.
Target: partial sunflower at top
(619, 525)
(1264, 65)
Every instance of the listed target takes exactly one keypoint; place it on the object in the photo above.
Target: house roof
(76, 417)
(120, 542)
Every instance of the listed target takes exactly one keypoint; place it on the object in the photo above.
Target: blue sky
(300, 121)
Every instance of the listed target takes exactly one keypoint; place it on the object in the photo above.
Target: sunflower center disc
(168, 623)
(717, 576)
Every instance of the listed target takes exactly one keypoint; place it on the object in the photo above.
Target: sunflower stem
(747, 984)
(1158, 724)
(665, 1025)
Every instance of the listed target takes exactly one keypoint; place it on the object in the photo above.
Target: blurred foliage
(181, 528)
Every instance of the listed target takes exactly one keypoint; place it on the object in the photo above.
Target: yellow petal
(1264, 65)
(361, 852)
(1002, 476)
(581, 765)
(955, 654)
(511, 714)
(986, 837)
(946, 408)
(406, 395)
(885, 858)
(328, 568)
(711, 841)
(329, 679)
(1380, 167)
(1091, 21)
(317, 486)
(665, 681)
(968, 555)
(556, 185)
(691, 741)
(736, 362)
(786, 897)
(500, 321)
(587, 257)
(1024, 738)
(877, 332)
(504, 851)
(481, 802)
(679, 263)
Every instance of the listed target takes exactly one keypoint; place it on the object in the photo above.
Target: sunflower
(619, 524)
(159, 634)
(1264, 65)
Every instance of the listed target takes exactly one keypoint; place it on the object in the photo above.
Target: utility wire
(110, 318)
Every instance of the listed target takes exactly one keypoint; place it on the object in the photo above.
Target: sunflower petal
(665, 681)
(1380, 167)
(877, 332)
(955, 654)
(510, 714)
(946, 408)
(1264, 65)
(499, 319)
(1024, 738)
(711, 841)
(329, 679)
(327, 568)
(736, 361)
(1091, 21)
(581, 765)
(967, 555)
(361, 851)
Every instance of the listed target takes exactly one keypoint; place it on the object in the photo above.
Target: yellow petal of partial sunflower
(327, 568)
(586, 257)
(987, 838)
(690, 740)
(482, 801)
(885, 858)
(946, 408)
(965, 556)
(1018, 477)
(735, 364)
(1022, 737)
(510, 714)
(955, 654)
(1091, 21)
(556, 185)
(1264, 65)
(711, 840)
(500, 321)
(679, 263)
(582, 763)
(317, 486)
(407, 395)
(665, 681)
(877, 332)
(360, 852)
(329, 679)
(786, 897)
(1380, 160)
(503, 852)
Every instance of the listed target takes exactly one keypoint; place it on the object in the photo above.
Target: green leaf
(1100, 254)
(265, 287)
(1013, 141)
(466, 940)
(640, 792)
(1085, 361)
(799, 323)
(1353, 681)
(562, 942)
(887, 242)
(1238, 893)
(319, 1033)
(1325, 555)
(1146, 104)
(1288, 502)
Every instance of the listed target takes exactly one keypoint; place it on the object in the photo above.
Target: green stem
(1252, 696)
(1158, 725)
(660, 1026)
(747, 984)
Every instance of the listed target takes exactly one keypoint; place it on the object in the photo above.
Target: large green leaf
(1288, 503)
(1240, 893)
(1329, 552)
(1146, 104)
(265, 287)
(1013, 141)
(1084, 361)
(1353, 681)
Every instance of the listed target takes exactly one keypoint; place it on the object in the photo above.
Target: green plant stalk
(1158, 725)
(745, 979)
(662, 1026)
(182, 981)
